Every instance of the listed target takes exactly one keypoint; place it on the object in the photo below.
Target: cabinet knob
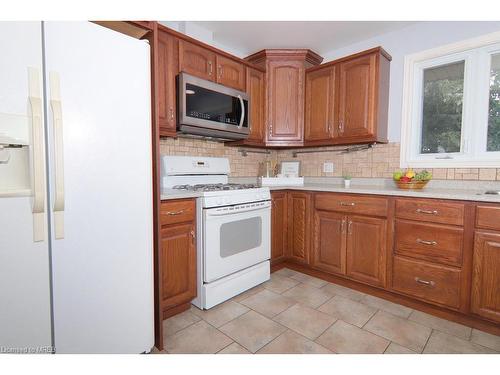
(341, 126)
(171, 113)
(349, 227)
(209, 68)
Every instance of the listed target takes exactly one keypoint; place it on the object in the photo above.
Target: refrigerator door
(25, 321)
(99, 132)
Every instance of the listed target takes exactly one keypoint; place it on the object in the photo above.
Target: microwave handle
(242, 117)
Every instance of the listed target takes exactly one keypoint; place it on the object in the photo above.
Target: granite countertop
(428, 192)
(440, 192)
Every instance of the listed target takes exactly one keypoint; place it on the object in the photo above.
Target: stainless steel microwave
(209, 109)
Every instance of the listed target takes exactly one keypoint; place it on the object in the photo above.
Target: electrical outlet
(328, 167)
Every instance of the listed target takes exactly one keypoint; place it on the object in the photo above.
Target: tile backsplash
(380, 161)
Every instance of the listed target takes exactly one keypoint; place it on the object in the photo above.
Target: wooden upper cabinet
(362, 97)
(285, 102)
(319, 105)
(356, 97)
(278, 226)
(485, 296)
(257, 92)
(230, 73)
(354, 102)
(329, 242)
(366, 249)
(168, 67)
(285, 84)
(196, 60)
(299, 205)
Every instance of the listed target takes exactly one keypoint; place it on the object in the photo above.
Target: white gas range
(233, 227)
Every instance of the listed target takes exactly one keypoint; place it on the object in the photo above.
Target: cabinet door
(278, 226)
(256, 91)
(329, 241)
(319, 105)
(299, 204)
(356, 97)
(168, 67)
(178, 257)
(366, 249)
(485, 299)
(196, 60)
(285, 102)
(230, 73)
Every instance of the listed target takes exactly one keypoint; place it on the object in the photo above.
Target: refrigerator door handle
(56, 105)
(38, 183)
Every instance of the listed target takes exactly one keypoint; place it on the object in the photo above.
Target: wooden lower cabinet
(485, 298)
(178, 255)
(278, 226)
(329, 242)
(366, 249)
(299, 206)
(445, 264)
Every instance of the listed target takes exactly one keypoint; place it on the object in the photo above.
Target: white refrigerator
(76, 216)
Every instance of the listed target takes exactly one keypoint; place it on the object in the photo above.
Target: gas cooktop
(215, 187)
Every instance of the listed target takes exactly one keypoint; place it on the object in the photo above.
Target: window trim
(469, 157)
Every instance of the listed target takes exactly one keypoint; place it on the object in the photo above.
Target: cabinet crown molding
(305, 54)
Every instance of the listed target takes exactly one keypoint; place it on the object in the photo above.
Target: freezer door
(99, 132)
(25, 323)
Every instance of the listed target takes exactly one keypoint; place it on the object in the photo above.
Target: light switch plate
(328, 167)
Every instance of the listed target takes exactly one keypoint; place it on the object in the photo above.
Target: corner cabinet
(177, 254)
(285, 78)
(279, 230)
(347, 100)
(299, 218)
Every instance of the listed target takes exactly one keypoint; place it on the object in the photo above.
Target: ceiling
(320, 36)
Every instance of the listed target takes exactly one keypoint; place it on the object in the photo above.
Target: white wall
(202, 34)
(415, 38)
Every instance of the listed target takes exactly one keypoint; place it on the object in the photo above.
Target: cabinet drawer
(488, 217)
(430, 210)
(431, 242)
(362, 205)
(177, 211)
(432, 283)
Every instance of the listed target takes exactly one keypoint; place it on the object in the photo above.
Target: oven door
(235, 237)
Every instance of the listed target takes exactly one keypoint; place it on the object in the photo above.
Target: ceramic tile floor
(297, 313)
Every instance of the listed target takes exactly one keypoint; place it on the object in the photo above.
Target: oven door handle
(233, 212)
(242, 117)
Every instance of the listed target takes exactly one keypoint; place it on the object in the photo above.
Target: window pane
(443, 89)
(494, 108)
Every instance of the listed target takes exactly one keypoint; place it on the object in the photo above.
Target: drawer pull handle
(424, 282)
(347, 203)
(424, 242)
(175, 213)
(427, 212)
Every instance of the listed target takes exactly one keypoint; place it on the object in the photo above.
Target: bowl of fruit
(410, 180)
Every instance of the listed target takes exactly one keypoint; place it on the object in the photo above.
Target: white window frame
(476, 53)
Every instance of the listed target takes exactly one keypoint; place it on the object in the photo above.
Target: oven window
(239, 236)
(214, 106)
